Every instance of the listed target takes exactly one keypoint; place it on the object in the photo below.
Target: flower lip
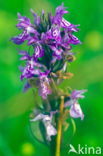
(72, 102)
(76, 112)
(39, 51)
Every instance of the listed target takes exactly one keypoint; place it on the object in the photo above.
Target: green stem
(59, 131)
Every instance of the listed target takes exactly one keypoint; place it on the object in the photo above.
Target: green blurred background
(15, 135)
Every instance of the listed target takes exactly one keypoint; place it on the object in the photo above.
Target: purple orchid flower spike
(50, 40)
(47, 121)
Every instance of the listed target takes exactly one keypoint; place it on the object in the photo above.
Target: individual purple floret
(75, 109)
(32, 67)
(76, 94)
(20, 38)
(60, 11)
(47, 121)
(25, 24)
(54, 34)
(39, 52)
(44, 86)
(57, 52)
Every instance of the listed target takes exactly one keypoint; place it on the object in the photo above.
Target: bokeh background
(15, 136)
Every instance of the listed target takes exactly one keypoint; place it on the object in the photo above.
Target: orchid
(75, 109)
(49, 41)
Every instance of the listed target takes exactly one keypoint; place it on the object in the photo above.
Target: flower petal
(76, 112)
(76, 94)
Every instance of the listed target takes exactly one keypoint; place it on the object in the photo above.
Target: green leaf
(37, 130)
